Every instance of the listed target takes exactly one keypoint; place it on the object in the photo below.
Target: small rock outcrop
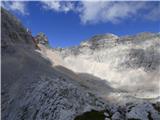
(41, 38)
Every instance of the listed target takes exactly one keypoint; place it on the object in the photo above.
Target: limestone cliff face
(131, 63)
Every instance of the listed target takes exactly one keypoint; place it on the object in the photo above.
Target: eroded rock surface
(34, 90)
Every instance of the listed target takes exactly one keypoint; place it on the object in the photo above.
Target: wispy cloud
(96, 11)
(59, 6)
(153, 14)
(109, 11)
(104, 11)
(16, 6)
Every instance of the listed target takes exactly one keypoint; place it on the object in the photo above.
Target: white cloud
(55, 5)
(91, 10)
(103, 11)
(58, 6)
(153, 14)
(95, 11)
(18, 6)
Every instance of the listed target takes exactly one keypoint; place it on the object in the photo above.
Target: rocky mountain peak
(104, 36)
(107, 36)
(99, 41)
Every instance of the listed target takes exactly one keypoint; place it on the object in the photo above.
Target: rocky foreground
(34, 87)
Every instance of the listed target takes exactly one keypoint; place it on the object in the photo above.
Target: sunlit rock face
(129, 63)
(100, 41)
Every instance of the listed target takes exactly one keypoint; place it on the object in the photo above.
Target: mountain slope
(36, 87)
(31, 87)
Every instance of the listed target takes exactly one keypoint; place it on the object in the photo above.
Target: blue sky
(69, 23)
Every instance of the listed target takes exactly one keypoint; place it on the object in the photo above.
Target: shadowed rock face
(92, 115)
(13, 31)
(31, 88)
(146, 59)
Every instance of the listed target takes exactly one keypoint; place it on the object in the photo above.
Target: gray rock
(41, 38)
